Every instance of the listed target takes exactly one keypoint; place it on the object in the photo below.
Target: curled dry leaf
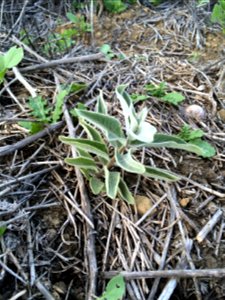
(143, 204)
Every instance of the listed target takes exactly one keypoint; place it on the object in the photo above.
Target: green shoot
(107, 151)
(115, 289)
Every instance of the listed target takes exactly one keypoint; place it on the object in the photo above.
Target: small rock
(221, 114)
(143, 204)
(195, 112)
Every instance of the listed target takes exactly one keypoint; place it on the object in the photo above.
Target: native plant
(9, 60)
(106, 154)
(115, 289)
(218, 14)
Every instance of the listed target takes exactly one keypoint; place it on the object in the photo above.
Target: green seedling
(115, 289)
(108, 151)
(138, 97)
(159, 91)
(45, 115)
(218, 14)
(59, 42)
(194, 136)
(9, 60)
(115, 6)
(107, 51)
(2, 230)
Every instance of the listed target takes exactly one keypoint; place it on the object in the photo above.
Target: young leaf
(109, 125)
(115, 289)
(206, 149)
(96, 185)
(92, 133)
(89, 146)
(33, 127)
(58, 105)
(13, 57)
(82, 162)
(111, 183)
(156, 90)
(138, 97)
(125, 193)
(188, 134)
(145, 133)
(72, 17)
(161, 174)
(101, 106)
(128, 109)
(2, 230)
(39, 109)
(173, 98)
(76, 87)
(127, 163)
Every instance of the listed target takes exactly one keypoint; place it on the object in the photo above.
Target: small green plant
(159, 91)
(43, 114)
(2, 230)
(115, 289)
(115, 6)
(59, 42)
(104, 155)
(194, 136)
(107, 51)
(9, 60)
(218, 14)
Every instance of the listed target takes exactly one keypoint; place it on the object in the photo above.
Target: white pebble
(195, 112)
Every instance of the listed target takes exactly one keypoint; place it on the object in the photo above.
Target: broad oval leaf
(96, 185)
(161, 174)
(115, 289)
(97, 148)
(109, 125)
(101, 106)
(13, 57)
(125, 193)
(111, 183)
(127, 163)
(82, 162)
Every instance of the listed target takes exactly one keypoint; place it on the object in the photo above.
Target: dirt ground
(61, 241)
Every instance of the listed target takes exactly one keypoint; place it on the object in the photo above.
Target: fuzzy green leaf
(33, 127)
(58, 105)
(82, 162)
(128, 109)
(39, 109)
(109, 125)
(206, 149)
(96, 185)
(115, 289)
(127, 163)
(161, 174)
(188, 134)
(125, 193)
(145, 133)
(92, 133)
(173, 98)
(97, 148)
(13, 57)
(101, 106)
(111, 183)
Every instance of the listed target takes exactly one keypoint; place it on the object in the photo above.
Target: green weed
(115, 289)
(107, 151)
(9, 60)
(218, 14)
